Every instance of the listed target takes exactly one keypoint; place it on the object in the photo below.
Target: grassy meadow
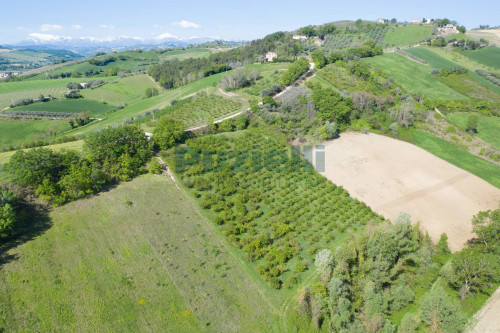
(127, 90)
(419, 81)
(13, 91)
(139, 257)
(489, 56)
(458, 157)
(404, 35)
(67, 106)
(488, 128)
(14, 132)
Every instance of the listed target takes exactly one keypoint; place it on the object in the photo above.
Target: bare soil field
(487, 318)
(392, 176)
(491, 35)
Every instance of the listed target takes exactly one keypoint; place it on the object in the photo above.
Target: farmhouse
(380, 20)
(417, 21)
(299, 37)
(84, 85)
(446, 30)
(270, 56)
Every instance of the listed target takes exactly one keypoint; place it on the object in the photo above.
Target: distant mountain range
(88, 46)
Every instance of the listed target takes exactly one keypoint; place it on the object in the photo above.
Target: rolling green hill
(140, 255)
(414, 77)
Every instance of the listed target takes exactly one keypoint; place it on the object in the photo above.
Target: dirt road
(488, 318)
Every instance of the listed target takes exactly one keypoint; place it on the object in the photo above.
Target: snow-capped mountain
(90, 45)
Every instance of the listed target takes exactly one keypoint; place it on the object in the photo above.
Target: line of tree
(378, 273)
(294, 71)
(113, 154)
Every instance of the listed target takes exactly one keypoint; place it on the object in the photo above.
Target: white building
(380, 20)
(270, 56)
(300, 37)
(84, 85)
(417, 21)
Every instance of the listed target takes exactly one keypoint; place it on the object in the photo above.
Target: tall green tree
(168, 132)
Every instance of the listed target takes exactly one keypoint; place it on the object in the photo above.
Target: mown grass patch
(458, 157)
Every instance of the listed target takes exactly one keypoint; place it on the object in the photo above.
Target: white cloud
(166, 35)
(156, 26)
(76, 27)
(46, 38)
(185, 24)
(22, 28)
(107, 26)
(50, 27)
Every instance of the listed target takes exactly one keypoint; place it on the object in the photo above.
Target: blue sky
(222, 19)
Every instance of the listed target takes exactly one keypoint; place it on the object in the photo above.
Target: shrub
(168, 132)
(154, 166)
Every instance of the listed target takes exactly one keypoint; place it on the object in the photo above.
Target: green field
(13, 91)
(432, 59)
(489, 56)
(462, 60)
(73, 145)
(456, 156)
(414, 77)
(137, 258)
(127, 90)
(14, 132)
(68, 106)
(488, 127)
(406, 35)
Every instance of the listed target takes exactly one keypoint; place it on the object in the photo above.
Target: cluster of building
(4, 75)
